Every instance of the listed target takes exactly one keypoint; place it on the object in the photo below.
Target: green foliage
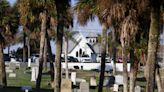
(8, 22)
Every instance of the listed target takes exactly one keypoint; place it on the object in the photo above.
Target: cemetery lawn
(23, 78)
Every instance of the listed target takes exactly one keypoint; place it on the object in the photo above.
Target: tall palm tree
(62, 7)
(8, 29)
(68, 35)
(32, 10)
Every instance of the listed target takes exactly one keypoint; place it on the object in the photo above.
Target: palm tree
(8, 29)
(62, 7)
(68, 35)
(32, 10)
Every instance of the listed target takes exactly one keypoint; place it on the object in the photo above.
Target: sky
(91, 26)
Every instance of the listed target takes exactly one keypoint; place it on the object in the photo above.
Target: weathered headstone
(34, 73)
(37, 61)
(73, 78)
(118, 79)
(12, 75)
(9, 71)
(66, 85)
(12, 65)
(84, 87)
(29, 62)
(93, 81)
(137, 89)
(106, 81)
(23, 65)
(12, 60)
(115, 87)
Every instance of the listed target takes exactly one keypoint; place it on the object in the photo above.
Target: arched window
(80, 52)
(76, 53)
(93, 41)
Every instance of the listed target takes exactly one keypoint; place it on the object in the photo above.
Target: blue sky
(91, 26)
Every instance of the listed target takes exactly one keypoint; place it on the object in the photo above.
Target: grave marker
(73, 78)
(84, 87)
(66, 85)
(137, 89)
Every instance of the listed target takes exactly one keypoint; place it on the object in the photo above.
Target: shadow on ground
(18, 89)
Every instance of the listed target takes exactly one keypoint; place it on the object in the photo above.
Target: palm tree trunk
(3, 80)
(158, 80)
(132, 79)
(125, 73)
(43, 16)
(103, 55)
(66, 58)
(58, 58)
(24, 47)
(50, 57)
(45, 55)
(28, 47)
(114, 50)
(153, 45)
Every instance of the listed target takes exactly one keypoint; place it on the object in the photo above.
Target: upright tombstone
(137, 89)
(12, 65)
(84, 87)
(37, 61)
(29, 62)
(119, 79)
(34, 73)
(115, 87)
(66, 85)
(73, 78)
(93, 81)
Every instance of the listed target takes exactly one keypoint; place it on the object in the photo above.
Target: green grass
(24, 79)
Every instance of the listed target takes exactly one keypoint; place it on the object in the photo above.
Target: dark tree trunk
(132, 71)
(3, 81)
(103, 55)
(50, 57)
(153, 45)
(43, 16)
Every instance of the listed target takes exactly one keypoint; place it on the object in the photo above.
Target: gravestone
(7, 68)
(115, 87)
(73, 78)
(66, 85)
(106, 81)
(84, 87)
(37, 61)
(137, 89)
(12, 60)
(9, 71)
(12, 65)
(29, 62)
(119, 79)
(93, 81)
(12, 75)
(34, 73)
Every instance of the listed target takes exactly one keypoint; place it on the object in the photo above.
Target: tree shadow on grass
(18, 89)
